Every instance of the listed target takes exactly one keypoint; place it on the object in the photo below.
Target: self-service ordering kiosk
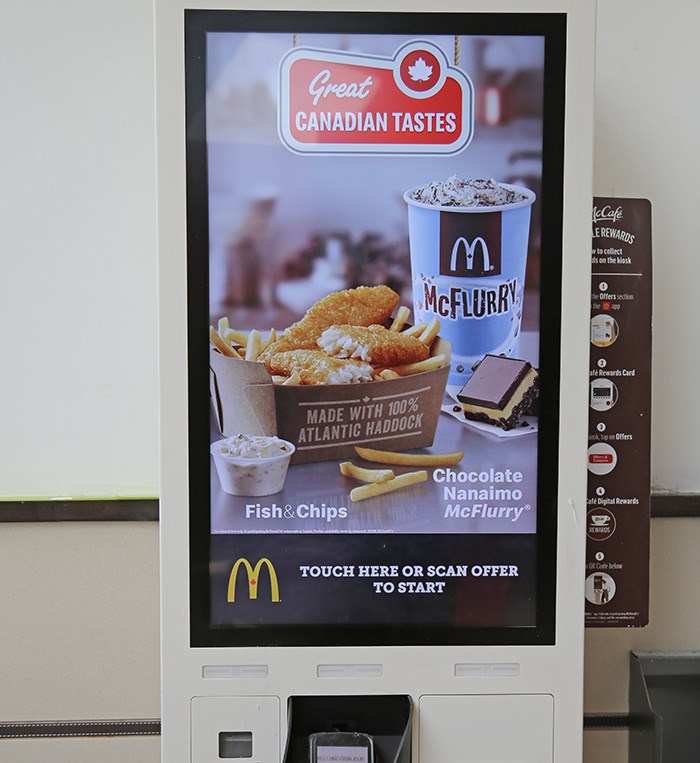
(373, 338)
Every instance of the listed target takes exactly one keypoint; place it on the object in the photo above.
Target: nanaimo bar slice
(499, 391)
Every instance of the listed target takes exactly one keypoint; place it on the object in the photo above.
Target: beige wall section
(82, 639)
(122, 750)
(79, 632)
(674, 616)
(674, 625)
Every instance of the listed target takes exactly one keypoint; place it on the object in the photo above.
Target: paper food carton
(325, 422)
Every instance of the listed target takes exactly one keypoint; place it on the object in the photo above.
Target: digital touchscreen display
(374, 262)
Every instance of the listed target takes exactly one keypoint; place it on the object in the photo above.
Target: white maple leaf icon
(420, 71)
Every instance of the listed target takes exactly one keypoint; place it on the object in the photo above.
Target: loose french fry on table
(410, 459)
(348, 469)
(380, 488)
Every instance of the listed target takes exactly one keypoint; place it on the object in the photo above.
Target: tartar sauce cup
(255, 473)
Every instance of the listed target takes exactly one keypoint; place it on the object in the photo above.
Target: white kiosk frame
(471, 703)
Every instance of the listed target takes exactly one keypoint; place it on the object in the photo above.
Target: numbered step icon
(604, 330)
(603, 394)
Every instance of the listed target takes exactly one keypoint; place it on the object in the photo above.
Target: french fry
(293, 379)
(423, 365)
(348, 469)
(410, 459)
(223, 347)
(414, 330)
(376, 488)
(272, 337)
(400, 318)
(223, 325)
(277, 379)
(430, 332)
(388, 374)
(236, 337)
(252, 349)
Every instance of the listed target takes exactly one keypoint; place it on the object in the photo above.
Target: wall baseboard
(675, 504)
(53, 729)
(92, 510)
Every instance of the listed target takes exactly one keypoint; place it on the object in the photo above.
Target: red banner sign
(335, 102)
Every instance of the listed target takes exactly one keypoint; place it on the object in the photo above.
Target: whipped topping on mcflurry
(457, 192)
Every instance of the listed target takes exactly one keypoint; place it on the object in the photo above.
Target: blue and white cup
(468, 270)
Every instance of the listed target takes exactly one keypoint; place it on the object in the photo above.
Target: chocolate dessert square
(499, 391)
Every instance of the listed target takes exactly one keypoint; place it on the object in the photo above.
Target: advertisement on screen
(373, 228)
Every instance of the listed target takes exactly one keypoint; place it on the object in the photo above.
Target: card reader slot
(235, 744)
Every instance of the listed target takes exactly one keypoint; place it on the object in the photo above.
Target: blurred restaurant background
(287, 229)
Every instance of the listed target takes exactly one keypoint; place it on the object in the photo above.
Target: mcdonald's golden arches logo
(253, 573)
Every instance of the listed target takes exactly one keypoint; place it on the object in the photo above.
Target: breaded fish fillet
(362, 306)
(315, 367)
(375, 344)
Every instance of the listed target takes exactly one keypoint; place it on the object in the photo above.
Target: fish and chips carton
(325, 422)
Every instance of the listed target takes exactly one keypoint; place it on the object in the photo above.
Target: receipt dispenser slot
(386, 719)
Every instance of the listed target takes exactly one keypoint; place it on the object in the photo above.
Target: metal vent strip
(53, 729)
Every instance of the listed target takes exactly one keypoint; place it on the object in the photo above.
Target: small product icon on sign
(600, 524)
(604, 330)
(600, 588)
(602, 458)
(603, 394)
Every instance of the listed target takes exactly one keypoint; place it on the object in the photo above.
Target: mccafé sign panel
(336, 102)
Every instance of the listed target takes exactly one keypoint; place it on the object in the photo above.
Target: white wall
(78, 338)
(78, 285)
(647, 114)
(78, 233)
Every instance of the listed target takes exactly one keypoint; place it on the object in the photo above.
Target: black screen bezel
(553, 27)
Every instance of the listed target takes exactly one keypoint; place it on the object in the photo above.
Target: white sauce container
(261, 475)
